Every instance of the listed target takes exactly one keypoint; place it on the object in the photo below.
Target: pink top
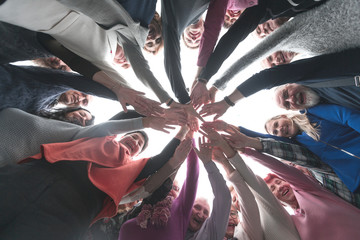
(213, 23)
(180, 211)
(322, 215)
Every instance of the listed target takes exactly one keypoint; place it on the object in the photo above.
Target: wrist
(201, 80)
(255, 143)
(228, 101)
(146, 122)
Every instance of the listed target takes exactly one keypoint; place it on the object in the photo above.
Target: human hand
(137, 99)
(218, 155)
(218, 108)
(218, 125)
(190, 111)
(182, 132)
(216, 140)
(181, 152)
(236, 139)
(158, 123)
(199, 95)
(176, 116)
(212, 93)
(205, 151)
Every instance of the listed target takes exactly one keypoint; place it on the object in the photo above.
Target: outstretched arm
(249, 209)
(282, 222)
(246, 23)
(173, 64)
(142, 70)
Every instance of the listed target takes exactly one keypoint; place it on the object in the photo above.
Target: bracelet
(228, 101)
(202, 80)
(170, 102)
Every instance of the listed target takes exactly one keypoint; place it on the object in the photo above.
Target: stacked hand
(159, 123)
(236, 139)
(137, 99)
(217, 109)
(191, 114)
(199, 95)
(216, 140)
(176, 116)
(181, 152)
(205, 151)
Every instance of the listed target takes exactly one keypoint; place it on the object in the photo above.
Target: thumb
(123, 105)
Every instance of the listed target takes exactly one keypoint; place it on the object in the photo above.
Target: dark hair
(60, 114)
(145, 136)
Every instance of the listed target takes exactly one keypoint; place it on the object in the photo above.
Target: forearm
(156, 162)
(75, 62)
(249, 208)
(294, 153)
(221, 203)
(188, 191)
(246, 23)
(172, 64)
(110, 128)
(212, 27)
(142, 70)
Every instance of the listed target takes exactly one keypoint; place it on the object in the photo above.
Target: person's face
(174, 192)
(235, 199)
(282, 190)
(57, 63)
(232, 223)
(264, 29)
(282, 127)
(120, 58)
(133, 142)
(294, 96)
(154, 38)
(193, 34)
(73, 98)
(277, 58)
(231, 16)
(200, 212)
(80, 116)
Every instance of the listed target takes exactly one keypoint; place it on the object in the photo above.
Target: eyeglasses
(234, 214)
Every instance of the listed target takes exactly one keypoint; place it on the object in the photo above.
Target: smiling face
(232, 223)
(294, 96)
(154, 40)
(282, 190)
(200, 212)
(193, 33)
(120, 58)
(230, 17)
(282, 127)
(73, 98)
(134, 142)
(277, 58)
(79, 116)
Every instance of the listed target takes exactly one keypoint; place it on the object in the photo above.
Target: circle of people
(62, 177)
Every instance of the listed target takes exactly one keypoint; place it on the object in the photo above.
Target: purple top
(213, 23)
(321, 214)
(180, 211)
